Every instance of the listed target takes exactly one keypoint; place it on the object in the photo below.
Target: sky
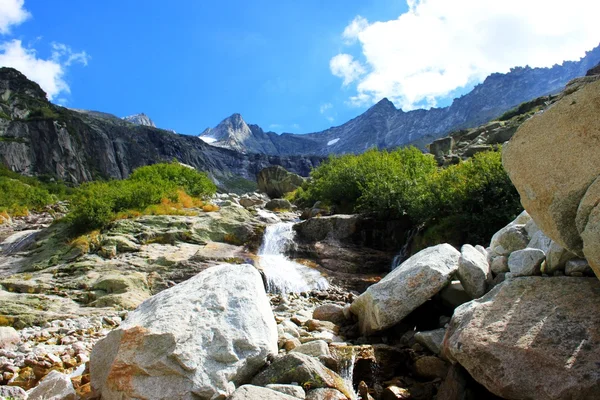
(286, 65)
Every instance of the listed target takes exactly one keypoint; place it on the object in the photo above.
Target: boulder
(526, 262)
(250, 392)
(540, 241)
(54, 386)
(511, 238)
(330, 312)
(578, 267)
(543, 346)
(338, 227)
(9, 337)
(278, 204)
(277, 181)
(416, 280)
(553, 162)
(499, 265)
(473, 271)
(303, 370)
(197, 339)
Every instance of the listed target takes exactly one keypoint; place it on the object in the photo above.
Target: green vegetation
(19, 194)
(471, 200)
(239, 185)
(95, 204)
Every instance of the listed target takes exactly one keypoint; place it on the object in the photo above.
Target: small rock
(290, 390)
(430, 367)
(500, 265)
(580, 266)
(54, 386)
(9, 338)
(315, 348)
(432, 340)
(291, 344)
(250, 392)
(526, 262)
(330, 312)
(12, 392)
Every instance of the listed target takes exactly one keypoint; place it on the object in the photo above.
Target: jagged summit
(140, 119)
(385, 126)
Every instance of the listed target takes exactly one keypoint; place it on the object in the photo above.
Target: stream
(284, 275)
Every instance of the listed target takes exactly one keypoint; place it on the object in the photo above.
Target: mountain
(140, 119)
(384, 126)
(40, 138)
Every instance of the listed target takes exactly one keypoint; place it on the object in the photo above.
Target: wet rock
(202, 336)
(336, 227)
(502, 343)
(250, 392)
(473, 271)
(330, 312)
(303, 370)
(54, 386)
(405, 288)
(290, 390)
(526, 262)
(432, 340)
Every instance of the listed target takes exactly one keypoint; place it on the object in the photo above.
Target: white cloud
(439, 46)
(324, 107)
(49, 74)
(344, 66)
(275, 126)
(12, 13)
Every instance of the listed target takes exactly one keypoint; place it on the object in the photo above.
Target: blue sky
(289, 66)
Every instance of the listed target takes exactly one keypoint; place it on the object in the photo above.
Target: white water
(401, 256)
(284, 275)
(346, 358)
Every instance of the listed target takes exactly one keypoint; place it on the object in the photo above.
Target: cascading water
(346, 357)
(284, 275)
(401, 256)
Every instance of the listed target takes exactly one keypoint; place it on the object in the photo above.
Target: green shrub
(477, 193)
(97, 203)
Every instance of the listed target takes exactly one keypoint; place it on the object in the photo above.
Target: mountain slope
(37, 137)
(384, 126)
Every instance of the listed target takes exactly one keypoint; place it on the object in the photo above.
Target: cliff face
(37, 137)
(384, 126)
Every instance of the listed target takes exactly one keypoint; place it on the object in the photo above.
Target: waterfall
(284, 275)
(346, 357)
(401, 256)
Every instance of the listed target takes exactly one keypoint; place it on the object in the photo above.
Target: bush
(155, 189)
(477, 192)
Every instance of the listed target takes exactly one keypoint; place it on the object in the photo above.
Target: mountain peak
(384, 105)
(140, 119)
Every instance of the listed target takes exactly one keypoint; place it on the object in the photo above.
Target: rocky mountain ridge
(37, 137)
(140, 119)
(384, 126)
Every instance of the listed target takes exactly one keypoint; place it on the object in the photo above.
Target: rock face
(384, 126)
(405, 288)
(545, 346)
(277, 181)
(195, 340)
(37, 137)
(553, 162)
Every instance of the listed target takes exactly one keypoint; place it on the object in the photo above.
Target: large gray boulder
(407, 287)
(543, 346)
(526, 262)
(277, 181)
(473, 271)
(196, 340)
(553, 162)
